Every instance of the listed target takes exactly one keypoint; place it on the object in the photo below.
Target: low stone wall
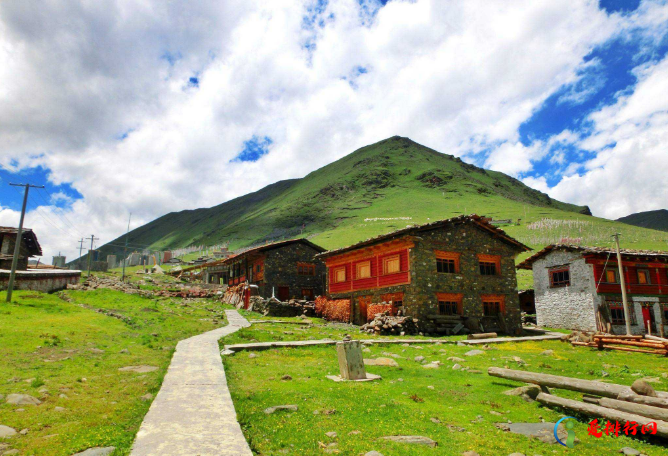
(47, 281)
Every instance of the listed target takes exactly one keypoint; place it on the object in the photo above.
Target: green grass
(46, 342)
(402, 403)
(393, 178)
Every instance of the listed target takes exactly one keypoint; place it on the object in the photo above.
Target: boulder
(411, 439)
(381, 362)
(278, 408)
(22, 399)
(643, 388)
(138, 369)
(96, 451)
(527, 393)
(6, 432)
(474, 353)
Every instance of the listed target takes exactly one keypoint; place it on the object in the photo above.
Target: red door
(363, 303)
(646, 316)
(283, 293)
(247, 293)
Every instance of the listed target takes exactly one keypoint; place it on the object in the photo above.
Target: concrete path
(308, 343)
(193, 414)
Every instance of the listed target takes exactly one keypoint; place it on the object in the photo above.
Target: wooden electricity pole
(19, 239)
(80, 252)
(90, 252)
(622, 282)
(125, 249)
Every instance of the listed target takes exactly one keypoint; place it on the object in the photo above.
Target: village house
(462, 267)
(36, 279)
(285, 269)
(579, 287)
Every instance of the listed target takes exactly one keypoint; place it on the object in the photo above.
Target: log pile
(333, 310)
(234, 295)
(639, 404)
(386, 324)
(380, 308)
(449, 324)
(638, 344)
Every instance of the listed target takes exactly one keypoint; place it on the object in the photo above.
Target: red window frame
(387, 259)
(335, 272)
(489, 259)
(562, 281)
(449, 303)
(495, 303)
(358, 267)
(447, 259)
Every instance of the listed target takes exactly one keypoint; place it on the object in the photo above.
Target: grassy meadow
(68, 354)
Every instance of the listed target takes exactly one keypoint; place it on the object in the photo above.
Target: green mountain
(656, 220)
(374, 190)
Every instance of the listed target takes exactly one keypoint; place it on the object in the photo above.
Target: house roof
(475, 219)
(266, 247)
(29, 237)
(588, 250)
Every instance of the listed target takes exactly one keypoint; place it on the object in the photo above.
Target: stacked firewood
(639, 404)
(333, 310)
(234, 295)
(639, 344)
(386, 324)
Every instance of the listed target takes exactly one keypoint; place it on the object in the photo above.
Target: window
(339, 275)
(307, 293)
(305, 269)
(490, 265)
(493, 306)
(449, 303)
(447, 262)
(391, 264)
(643, 277)
(611, 275)
(617, 313)
(397, 299)
(363, 270)
(560, 278)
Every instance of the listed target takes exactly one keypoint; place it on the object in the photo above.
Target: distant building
(29, 247)
(166, 256)
(579, 287)
(58, 261)
(460, 268)
(134, 259)
(111, 261)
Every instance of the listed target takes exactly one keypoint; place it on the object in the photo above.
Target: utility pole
(622, 282)
(125, 249)
(80, 251)
(90, 252)
(19, 239)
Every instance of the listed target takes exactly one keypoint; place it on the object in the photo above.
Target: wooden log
(610, 336)
(630, 396)
(611, 390)
(602, 412)
(656, 338)
(648, 411)
(647, 344)
(482, 336)
(636, 350)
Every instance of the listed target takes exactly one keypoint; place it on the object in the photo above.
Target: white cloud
(77, 76)
(630, 175)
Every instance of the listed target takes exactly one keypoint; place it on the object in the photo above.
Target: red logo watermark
(614, 429)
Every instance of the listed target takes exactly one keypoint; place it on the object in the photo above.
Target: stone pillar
(351, 363)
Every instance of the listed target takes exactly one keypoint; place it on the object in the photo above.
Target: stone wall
(280, 269)
(572, 307)
(46, 281)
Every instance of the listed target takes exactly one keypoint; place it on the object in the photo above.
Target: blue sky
(171, 112)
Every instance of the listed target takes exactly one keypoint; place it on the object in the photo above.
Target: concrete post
(351, 363)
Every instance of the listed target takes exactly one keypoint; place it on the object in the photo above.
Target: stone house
(29, 247)
(285, 269)
(578, 287)
(462, 267)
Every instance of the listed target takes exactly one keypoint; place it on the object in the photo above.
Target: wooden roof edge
(587, 250)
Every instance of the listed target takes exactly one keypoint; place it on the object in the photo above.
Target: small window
(643, 277)
(339, 275)
(617, 313)
(258, 268)
(307, 293)
(560, 278)
(363, 270)
(305, 269)
(448, 308)
(611, 275)
(487, 268)
(396, 299)
(391, 264)
(446, 265)
(493, 306)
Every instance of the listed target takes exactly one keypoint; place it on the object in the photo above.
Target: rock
(418, 359)
(381, 362)
(455, 359)
(58, 409)
(435, 420)
(366, 350)
(10, 452)
(252, 355)
(643, 388)
(24, 431)
(412, 439)
(331, 435)
(541, 431)
(547, 352)
(432, 365)
(652, 379)
(373, 453)
(147, 397)
(474, 353)
(97, 451)
(470, 453)
(22, 399)
(354, 432)
(516, 454)
(278, 408)
(629, 451)
(63, 396)
(6, 432)
(528, 393)
(138, 369)
(286, 377)
(97, 350)
(518, 360)
(456, 367)
(125, 351)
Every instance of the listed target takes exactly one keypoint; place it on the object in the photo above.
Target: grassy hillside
(352, 198)
(656, 220)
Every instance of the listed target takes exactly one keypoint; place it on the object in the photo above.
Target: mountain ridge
(655, 220)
